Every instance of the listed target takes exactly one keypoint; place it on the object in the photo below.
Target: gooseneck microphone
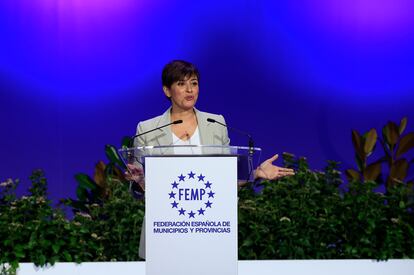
(131, 142)
(251, 142)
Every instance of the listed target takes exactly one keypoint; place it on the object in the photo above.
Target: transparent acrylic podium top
(189, 150)
(247, 157)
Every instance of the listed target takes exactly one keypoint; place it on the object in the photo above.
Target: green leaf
(352, 174)
(99, 175)
(391, 133)
(399, 169)
(357, 142)
(406, 143)
(55, 248)
(385, 134)
(386, 149)
(81, 193)
(370, 141)
(372, 171)
(85, 181)
(248, 242)
(77, 204)
(126, 142)
(42, 260)
(403, 124)
(360, 163)
(113, 156)
(19, 253)
(371, 223)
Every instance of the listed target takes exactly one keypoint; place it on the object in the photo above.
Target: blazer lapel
(206, 136)
(165, 138)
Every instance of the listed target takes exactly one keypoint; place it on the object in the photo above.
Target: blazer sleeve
(224, 134)
(140, 141)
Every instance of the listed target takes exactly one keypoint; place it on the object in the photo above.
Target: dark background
(76, 75)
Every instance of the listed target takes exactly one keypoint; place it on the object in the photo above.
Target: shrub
(31, 230)
(307, 217)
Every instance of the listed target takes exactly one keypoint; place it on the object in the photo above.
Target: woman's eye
(195, 83)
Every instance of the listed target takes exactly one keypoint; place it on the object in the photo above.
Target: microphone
(251, 143)
(131, 142)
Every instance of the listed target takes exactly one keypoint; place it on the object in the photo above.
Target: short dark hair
(178, 70)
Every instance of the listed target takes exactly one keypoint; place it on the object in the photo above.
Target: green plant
(293, 218)
(395, 145)
(30, 228)
(307, 217)
(96, 190)
(33, 231)
(116, 224)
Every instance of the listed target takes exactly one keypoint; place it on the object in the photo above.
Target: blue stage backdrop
(76, 75)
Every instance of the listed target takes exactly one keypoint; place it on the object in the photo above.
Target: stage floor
(271, 267)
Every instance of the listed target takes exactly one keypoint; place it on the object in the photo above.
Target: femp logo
(191, 195)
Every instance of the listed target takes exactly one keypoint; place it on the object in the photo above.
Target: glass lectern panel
(247, 158)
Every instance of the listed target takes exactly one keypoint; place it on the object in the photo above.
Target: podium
(191, 206)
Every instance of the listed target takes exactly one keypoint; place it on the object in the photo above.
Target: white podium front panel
(191, 215)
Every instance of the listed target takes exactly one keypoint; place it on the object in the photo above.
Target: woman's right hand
(135, 173)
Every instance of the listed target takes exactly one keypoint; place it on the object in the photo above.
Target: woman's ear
(166, 91)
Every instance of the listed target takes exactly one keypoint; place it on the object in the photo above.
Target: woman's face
(183, 93)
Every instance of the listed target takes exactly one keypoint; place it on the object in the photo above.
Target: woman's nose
(189, 87)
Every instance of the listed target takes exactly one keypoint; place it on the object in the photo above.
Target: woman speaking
(180, 83)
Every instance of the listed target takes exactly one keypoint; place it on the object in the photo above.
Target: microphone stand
(131, 142)
(250, 142)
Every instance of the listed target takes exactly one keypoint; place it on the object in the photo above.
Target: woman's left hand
(268, 171)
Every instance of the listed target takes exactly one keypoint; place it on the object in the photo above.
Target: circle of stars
(200, 182)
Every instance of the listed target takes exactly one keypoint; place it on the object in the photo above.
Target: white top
(194, 140)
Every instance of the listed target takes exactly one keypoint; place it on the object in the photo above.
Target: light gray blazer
(210, 134)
